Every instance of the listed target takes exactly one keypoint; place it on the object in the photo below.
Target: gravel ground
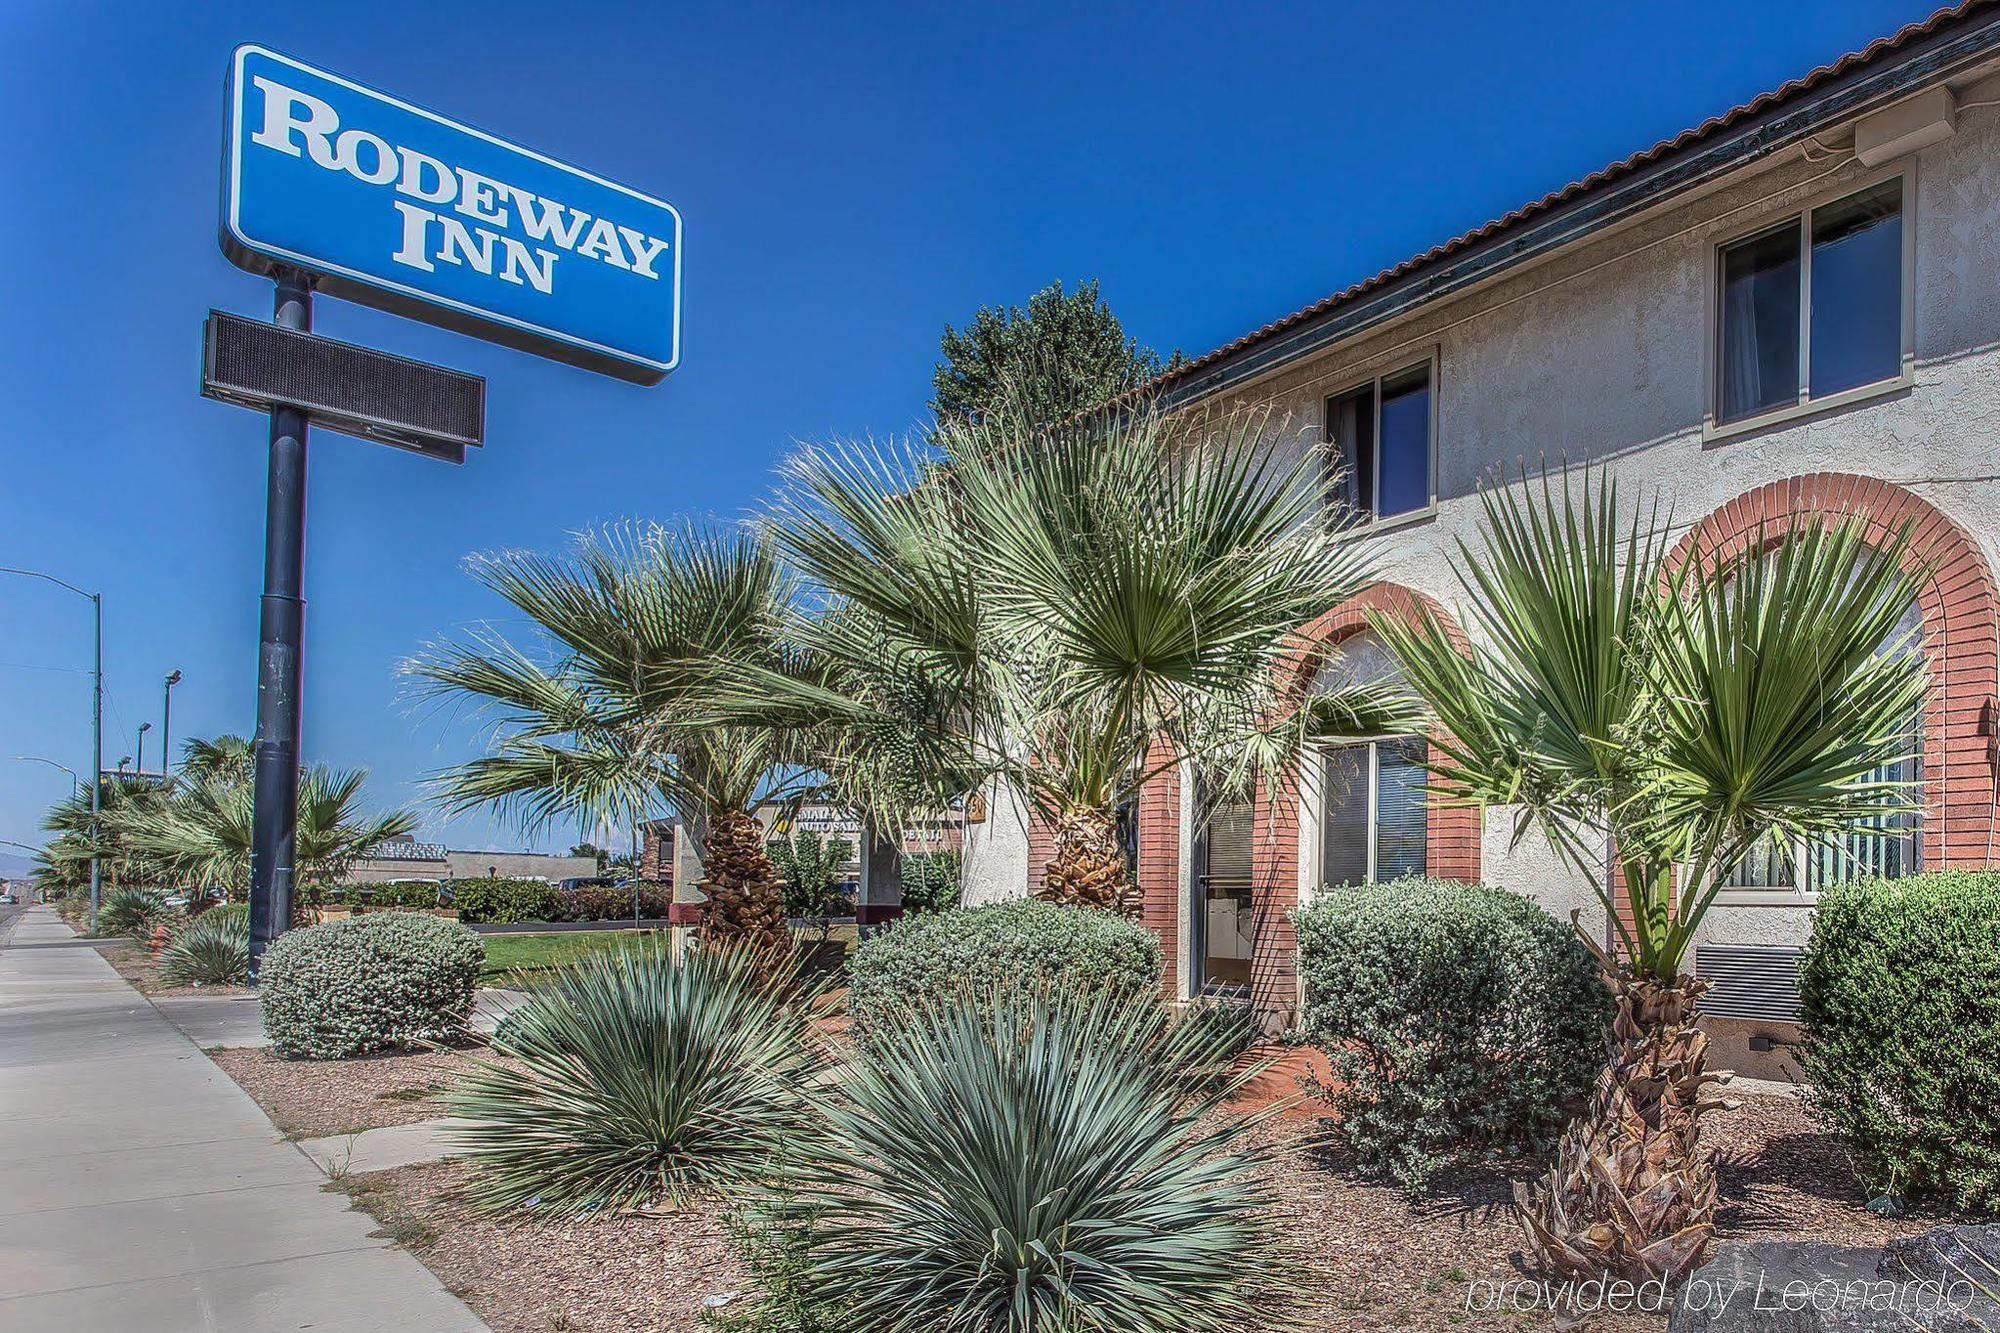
(525, 1276)
(1372, 1259)
(313, 1098)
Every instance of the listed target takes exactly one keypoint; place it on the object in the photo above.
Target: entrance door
(1223, 936)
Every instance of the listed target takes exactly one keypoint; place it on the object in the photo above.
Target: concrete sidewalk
(141, 1189)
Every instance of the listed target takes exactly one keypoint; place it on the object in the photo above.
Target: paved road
(140, 1189)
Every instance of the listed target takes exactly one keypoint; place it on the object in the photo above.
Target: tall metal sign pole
(280, 659)
(334, 187)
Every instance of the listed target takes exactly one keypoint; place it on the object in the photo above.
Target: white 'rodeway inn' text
(297, 122)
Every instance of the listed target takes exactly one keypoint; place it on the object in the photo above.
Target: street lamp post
(167, 726)
(96, 729)
(139, 764)
(75, 783)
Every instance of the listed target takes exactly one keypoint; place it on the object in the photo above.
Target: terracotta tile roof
(1687, 138)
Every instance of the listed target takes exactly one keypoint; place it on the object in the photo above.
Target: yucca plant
(598, 716)
(1677, 710)
(1073, 607)
(1036, 1164)
(211, 950)
(637, 1079)
(130, 911)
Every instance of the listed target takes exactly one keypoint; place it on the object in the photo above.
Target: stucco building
(1792, 308)
(406, 858)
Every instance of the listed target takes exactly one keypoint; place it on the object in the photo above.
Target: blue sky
(852, 177)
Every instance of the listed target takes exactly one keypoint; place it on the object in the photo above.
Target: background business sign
(398, 207)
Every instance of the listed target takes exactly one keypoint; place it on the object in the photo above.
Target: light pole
(75, 783)
(139, 764)
(167, 726)
(96, 726)
(9, 842)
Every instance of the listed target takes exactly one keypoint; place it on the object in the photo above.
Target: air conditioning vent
(1750, 981)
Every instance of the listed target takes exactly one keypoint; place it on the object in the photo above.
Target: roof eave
(1872, 86)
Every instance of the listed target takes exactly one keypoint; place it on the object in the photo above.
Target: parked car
(10, 899)
(590, 882)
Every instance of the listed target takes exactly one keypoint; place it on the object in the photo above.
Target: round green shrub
(385, 981)
(212, 949)
(1900, 997)
(1459, 1019)
(506, 902)
(130, 911)
(1011, 946)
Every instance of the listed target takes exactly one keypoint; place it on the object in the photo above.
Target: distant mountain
(13, 865)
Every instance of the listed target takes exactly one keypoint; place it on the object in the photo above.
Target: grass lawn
(533, 953)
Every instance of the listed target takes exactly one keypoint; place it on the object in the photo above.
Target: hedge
(1018, 944)
(419, 895)
(1459, 1020)
(1900, 999)
(506, 901)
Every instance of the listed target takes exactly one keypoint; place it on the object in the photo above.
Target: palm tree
(1074, 608)
(601, 718)
(202, 834)
(64, 862)
(226, 756)
(1676, 710)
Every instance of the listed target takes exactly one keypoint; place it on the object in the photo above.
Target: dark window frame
(1715, 426)
(1371, 781)
(1343, 480)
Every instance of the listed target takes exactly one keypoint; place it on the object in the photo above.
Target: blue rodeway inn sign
(397, 207)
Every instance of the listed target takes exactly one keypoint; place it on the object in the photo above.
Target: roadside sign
(393, 206)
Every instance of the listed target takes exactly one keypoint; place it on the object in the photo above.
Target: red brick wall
(1041, 846)
(656, 852)
(1160, 866)
(1961, 637)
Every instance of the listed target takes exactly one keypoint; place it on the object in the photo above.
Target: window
(1224, 917)
(1381, 436)
(1812, 307)
(1373, 813)
(1884, 847)
(1376, 815)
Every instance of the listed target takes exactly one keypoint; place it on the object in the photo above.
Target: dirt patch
(1384, 1261)
(141, 966)
(310, 1099)
(525, 1275)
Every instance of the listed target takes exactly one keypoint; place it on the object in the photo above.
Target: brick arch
(1452, 840)
(1961, 635)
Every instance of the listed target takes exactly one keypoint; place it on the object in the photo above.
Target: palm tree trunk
(745, 904)
(1632, 1191)
(1086, 865)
